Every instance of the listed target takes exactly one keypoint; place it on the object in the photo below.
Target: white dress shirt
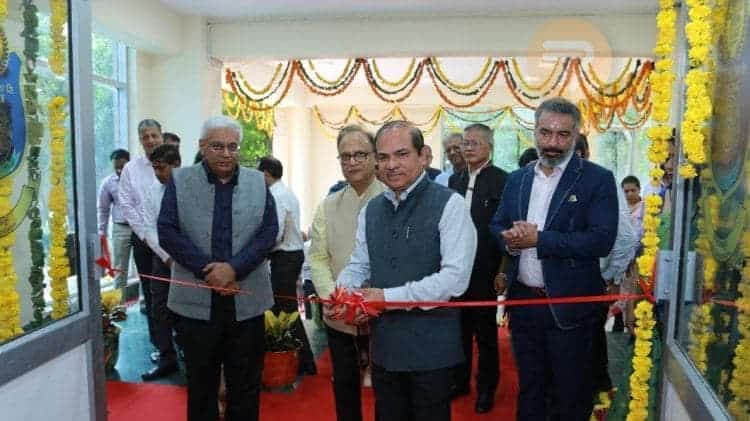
(458, 245)
(472, 181)
(151, 209)
(542, 189)
(613, 266)
(135, 180)
(444, 176)
(289, 237)
(109, 203)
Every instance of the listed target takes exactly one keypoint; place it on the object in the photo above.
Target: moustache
(553, 150)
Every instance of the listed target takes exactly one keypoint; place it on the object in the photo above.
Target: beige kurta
(333, 232)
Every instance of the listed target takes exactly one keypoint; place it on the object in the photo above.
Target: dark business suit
(580, 227)
(481, 321)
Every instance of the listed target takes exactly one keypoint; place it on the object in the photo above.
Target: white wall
(628, 35)
(61, 385)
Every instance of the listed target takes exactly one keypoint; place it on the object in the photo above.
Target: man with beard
(333, 230)
(452, 147)
(556, 219)
(481, 184)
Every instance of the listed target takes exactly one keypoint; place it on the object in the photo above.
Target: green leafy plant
(279, 336)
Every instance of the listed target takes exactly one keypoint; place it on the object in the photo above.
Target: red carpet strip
(311, 400)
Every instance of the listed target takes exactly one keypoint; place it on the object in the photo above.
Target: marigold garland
(58, 19)
(409, 71)
(642, 364)
(59, 266)
(10, 316)
(10, 307)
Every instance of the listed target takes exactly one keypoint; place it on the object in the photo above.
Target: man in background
(481, 184)
(109, 205)
(427, 157)
(171, 139)
(452, 147)
(287, 255)
(164, 159)
(135, 180)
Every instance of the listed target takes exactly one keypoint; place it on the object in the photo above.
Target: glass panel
(37, 206)
(105, 105)
(710, 329)
(103, 56)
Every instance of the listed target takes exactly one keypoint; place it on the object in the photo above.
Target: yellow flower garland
(739, 384)
(698, 81)
(59, 267)
(639, 380)
(58, 19)
(10, 316)
(10, 307)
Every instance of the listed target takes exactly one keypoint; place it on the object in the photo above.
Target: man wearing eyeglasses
(210, 223)
(481, 184)
(333, 231)
(287, 255)
(452, 148)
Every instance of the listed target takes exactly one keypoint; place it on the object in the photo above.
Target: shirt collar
(478, 170)
(391, 195)
(212, 179)
(557, 170)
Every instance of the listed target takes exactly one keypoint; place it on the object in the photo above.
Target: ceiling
(232, 10)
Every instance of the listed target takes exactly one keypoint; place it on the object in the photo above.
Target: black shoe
(458, 391)
(485, 402)
(160, 371)
(154, 356)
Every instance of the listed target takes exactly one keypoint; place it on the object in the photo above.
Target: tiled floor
(135, 349)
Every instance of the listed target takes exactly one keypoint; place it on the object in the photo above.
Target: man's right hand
(500, 283)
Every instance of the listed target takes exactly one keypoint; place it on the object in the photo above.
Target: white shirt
(151, 209)
(542, 189)
(613, 266)
(444, 176)
(458, 245)
(472, 181)
(289, 237)
(135, 179)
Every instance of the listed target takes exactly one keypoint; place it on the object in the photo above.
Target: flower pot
(280, 368)
(111, 347)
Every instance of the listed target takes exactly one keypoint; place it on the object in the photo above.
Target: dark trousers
(236, 345)
(413, 395)
(553, 364)
(285, 270)
(602, 381)
(347, 359)
(480, 323)
(144, 257)
(161, 318)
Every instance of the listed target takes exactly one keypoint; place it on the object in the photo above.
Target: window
(109, 67)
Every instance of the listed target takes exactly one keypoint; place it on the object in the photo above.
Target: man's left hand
(527, 235)
(222, 275)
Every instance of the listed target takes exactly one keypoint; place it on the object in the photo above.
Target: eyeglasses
(470, 144)
(358, 157)
(221, 147)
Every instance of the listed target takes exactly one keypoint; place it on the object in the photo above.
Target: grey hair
(559, 105)
(147, 124)
(452, 136)
(221, 122)
(417, 139)
(487, 133)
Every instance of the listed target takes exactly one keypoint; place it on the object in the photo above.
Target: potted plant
(280, 362)
(112, 311)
